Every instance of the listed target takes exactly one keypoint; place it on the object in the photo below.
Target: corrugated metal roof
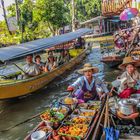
(23, 49)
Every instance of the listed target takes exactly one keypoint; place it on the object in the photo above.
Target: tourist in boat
(30, 69)
(88, 86)
(50, 53)
(129, 79)
(39, 63)
(50, 64)
(66, 56)
(60, 57)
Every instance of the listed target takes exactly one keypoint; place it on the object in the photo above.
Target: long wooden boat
(68, 120)
(15, 88)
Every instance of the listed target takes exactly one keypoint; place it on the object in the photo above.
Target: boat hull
(112, 61)
(112, 64)
(13, 88)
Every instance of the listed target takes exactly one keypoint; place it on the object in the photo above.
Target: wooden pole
(5, 17)
(132, 43)
(17, 12)
(73, 15)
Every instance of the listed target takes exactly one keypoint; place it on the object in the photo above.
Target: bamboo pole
(98, 124)
(73, 15)
(106, 119)
(131, 45)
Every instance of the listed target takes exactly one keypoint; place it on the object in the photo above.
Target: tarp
(15, 51)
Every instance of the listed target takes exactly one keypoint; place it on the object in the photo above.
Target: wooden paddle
(106, 118)
(98, 124)
(96, 120)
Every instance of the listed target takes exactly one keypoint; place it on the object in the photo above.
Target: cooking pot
(138, 107)
(127, 106)
(136, 96)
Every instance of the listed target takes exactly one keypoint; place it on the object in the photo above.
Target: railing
(110, 8)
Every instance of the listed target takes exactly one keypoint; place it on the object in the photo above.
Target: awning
(92, 20)
(23, 49)
(115, 20)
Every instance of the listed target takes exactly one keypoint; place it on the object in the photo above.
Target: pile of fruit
(74, 130)
(56, 136)
(70, 101)
(81, 120)
(93, 107)
(52, 116)
(87, 114)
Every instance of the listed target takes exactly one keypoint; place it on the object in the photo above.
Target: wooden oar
(106, 119)
(98, 124)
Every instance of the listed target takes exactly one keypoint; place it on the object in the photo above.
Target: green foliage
(87, 9)
(5, 38)
(52, 12)
(44, 18)
(11, 10)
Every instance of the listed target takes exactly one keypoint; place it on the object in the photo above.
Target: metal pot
(127, 106)
(136, 96)
(138, 107)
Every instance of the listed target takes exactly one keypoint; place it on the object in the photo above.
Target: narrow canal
(15, 111)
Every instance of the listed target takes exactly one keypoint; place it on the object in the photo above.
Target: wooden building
(115, 7)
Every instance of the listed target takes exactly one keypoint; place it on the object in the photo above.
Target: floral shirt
(129, 80)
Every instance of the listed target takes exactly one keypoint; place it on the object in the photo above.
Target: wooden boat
(101, 39)
(112, 61)
(15, 88)
(91, 125)
(38, 127)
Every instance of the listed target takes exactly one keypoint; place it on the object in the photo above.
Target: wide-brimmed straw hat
(87, 67)
(126, 61)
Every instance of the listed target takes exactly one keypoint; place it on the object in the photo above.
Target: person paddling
(88, 86)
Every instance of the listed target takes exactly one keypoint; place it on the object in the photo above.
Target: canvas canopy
(15, 51)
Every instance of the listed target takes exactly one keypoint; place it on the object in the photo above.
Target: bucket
(38, 135)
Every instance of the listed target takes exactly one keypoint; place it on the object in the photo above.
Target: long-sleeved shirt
(129, 81)
(98, 83)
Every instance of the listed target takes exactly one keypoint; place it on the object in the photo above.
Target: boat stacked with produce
(61, 122)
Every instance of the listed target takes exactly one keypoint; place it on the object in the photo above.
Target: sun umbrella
(128, 13)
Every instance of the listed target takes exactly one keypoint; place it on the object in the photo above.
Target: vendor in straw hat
(88, 87)
(129, 79)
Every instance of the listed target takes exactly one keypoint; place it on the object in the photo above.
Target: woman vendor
(88, 87)
(129, 79)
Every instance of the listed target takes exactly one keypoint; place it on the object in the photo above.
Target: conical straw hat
(87, 67)
(126, 61)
